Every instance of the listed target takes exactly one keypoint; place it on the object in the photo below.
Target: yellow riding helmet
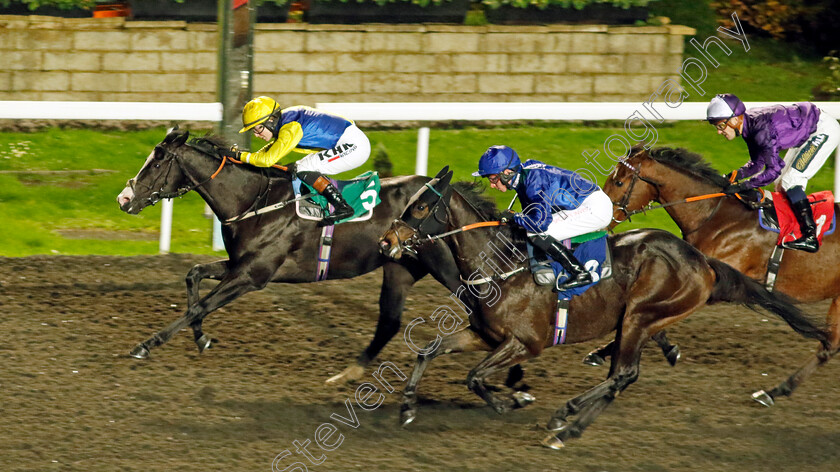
(257, 111)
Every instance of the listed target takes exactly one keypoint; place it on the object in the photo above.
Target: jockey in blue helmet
(809, 135)
(557, 204)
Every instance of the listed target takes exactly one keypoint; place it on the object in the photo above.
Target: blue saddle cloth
(594, 255)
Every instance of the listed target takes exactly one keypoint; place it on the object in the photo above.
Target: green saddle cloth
(361, 193)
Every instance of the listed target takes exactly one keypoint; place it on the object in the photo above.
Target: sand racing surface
(72, 399)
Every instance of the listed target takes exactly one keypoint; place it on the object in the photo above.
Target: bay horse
(658, 279)
(726, 229)
(275, 246)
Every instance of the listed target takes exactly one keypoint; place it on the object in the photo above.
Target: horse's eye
(618, 183)
(421, 206)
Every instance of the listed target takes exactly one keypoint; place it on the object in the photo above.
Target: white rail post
(218, 242)
(421, 166)
(165, 224)
(837, 172)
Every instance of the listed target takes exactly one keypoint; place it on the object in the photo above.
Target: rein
(209, 148)
(481, 224)
(698, 198)
(622, 205)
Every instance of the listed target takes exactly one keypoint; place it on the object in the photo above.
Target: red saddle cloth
(823, 211)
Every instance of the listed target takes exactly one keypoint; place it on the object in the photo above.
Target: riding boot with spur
(578, 275)
(323, 186)
(808, 242)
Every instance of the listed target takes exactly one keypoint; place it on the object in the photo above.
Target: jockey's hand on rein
(506, 217)
(732, 189)
(229, 153)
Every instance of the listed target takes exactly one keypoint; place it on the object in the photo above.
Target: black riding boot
(323, 186)
(808, 242)
(578, 275)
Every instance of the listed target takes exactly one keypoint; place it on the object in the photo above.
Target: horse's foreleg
(214, 270)
(823, 355)
(465, 340)
(229, 289)
(510, 352)
(623, 372)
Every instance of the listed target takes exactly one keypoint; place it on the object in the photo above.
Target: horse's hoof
(515, 374)
(354, 372)
(203, 343)
(556, 424)
(139, 352)
(407, 417)
(762, 397)
(553, 442)
(523, 399)
(673, 355)
(594, 359)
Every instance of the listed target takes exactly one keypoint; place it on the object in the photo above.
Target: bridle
(208, 148)
(622, 204)
(625, 199)
(158, 195)
(426, 230)
(433, 222)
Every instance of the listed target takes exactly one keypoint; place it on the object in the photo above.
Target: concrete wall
(48, 58)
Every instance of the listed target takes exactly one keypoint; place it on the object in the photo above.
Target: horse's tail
(732, 286)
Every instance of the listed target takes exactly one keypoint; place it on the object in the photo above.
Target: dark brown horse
(658, 279)
(276, 246)
(726, 229)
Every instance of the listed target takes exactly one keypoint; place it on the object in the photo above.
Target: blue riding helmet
(496, 159)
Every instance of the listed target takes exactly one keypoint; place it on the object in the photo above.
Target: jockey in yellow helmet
(334, 144)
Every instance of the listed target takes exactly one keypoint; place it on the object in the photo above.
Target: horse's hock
(113, 59)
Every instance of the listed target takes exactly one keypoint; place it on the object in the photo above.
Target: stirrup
(584, 278)
(807, 244)
(335, 216)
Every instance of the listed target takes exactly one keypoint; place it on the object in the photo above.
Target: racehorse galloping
(658, 279)
(276, 246)
(725, 229)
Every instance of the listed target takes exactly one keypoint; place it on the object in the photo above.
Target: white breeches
(593, 214)
(351, 151)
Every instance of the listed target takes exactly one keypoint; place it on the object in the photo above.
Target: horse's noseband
(625, 199)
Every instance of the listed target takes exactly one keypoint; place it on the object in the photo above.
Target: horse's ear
(442, 171)
(444, 181)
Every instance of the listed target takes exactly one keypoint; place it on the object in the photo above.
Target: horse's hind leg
(465, 340)
(823, 355)
(214, 270)
(670, 351)
(598, 356)
(229, 289)
(510, 352)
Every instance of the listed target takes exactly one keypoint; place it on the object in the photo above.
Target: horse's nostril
(384, 244)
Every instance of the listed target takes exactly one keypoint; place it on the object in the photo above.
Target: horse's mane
(687, 162)
(214, 139)
(473, 192)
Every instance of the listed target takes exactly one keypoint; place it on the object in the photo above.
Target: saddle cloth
(781, 219)
(590, 249)
(361, 193)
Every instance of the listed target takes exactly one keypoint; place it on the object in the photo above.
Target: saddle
(591, 249)
(361, 192)
(822, 205)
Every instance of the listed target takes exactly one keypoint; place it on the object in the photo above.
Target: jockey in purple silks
(557, 204)
(810, 136)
